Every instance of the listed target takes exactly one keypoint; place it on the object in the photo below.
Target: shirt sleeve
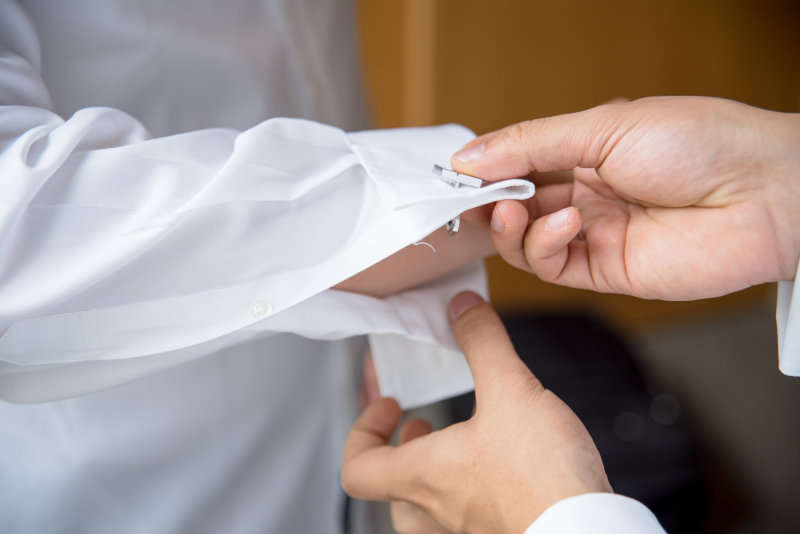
(597, 513)
(788, 319)
(121, 253)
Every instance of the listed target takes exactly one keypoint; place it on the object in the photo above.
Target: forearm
(432, 257)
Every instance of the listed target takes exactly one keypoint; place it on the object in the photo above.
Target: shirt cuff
(417, 359)
(422, 363)
(788, 319)
(597, 513)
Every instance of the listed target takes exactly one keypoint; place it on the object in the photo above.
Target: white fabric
(788, 317)
(161, 244)
(123, 272)
(597, 513)
(417, 366)
(125, 246)
(257, 452)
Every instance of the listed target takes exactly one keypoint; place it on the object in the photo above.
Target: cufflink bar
(453, 225)
(456, 179)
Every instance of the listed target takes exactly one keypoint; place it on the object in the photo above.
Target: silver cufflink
(456, 179)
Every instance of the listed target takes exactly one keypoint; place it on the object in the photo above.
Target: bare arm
(417, 264)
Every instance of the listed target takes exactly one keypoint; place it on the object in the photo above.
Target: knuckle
(517, 134)
(518, 142)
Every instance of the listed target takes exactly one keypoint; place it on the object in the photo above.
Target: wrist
(415, 265)
(782, 196)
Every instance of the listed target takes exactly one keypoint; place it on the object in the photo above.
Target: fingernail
(463, 302)
(558, 220)
(469, 154)
(497, 224)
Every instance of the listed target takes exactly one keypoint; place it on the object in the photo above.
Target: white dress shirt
(161, 245)
(121, 246)
(165, 243)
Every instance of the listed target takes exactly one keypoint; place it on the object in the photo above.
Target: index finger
(371, 468)
(558, 143)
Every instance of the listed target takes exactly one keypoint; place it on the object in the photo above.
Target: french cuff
(422, 363)
(417, 359)
(597, 513)
(420, 200)
(788, 319)
(416, 355)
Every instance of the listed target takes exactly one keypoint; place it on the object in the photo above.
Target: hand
(675, 198)
(522, 451)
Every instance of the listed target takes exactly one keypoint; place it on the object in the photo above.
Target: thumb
(557, 143)
(486, 345)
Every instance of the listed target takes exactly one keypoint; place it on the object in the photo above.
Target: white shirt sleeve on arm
(597, 513)
(788, 318)
(121, 253)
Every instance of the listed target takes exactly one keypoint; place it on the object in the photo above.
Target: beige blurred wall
(487, 64)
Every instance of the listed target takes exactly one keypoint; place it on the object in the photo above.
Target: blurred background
(684, 400)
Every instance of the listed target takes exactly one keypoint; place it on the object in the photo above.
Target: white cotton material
(96, 272)
(788, 319)
(598, 513)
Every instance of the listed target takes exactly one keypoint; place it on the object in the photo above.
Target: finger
(550, 198)
(486, 345)
(546, 244)
(557, 143)
(366, 460)
(408, 518)
(374, 428)
(510, 221)
(618, 100)
(413, 429)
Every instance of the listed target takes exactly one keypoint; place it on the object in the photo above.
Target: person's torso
(245, 440)
(183, 65)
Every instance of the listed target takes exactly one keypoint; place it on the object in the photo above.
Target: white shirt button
(259, 308)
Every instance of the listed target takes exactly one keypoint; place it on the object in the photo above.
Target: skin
(673, 198)
(417, 264)
(522, 451)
